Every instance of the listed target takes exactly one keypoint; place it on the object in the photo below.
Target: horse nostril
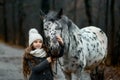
(51, 48)
(48, 38)
(48, 45)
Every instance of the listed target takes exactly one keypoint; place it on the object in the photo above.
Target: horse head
(52, 28)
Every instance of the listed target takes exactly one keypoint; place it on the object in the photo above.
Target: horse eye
(57, 28)
(45, 28)
(52, 20)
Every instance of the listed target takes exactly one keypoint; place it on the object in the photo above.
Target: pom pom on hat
(33, 30)
(34, 35)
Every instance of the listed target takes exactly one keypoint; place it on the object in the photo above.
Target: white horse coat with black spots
(84, 48)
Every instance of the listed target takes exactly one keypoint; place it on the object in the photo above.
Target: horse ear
(60, 13)
(42, 14)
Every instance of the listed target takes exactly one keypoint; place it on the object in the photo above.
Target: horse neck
(69, 32)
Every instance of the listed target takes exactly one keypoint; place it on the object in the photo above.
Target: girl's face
(37, 44)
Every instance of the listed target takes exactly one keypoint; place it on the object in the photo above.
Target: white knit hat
(34, 35)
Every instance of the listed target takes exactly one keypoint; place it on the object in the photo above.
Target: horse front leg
(81, 76)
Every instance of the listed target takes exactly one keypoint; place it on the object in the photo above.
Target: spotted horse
(84, 48)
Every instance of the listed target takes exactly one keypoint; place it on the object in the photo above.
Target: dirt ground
(112, 73)
(11, 67)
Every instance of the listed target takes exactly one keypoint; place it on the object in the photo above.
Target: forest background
(18, 16)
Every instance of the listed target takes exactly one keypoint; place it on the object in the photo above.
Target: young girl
(36, 62)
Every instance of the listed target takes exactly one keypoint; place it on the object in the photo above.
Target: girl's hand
(60, 40)
(49, 59)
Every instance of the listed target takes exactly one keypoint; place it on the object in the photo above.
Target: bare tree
(5, 21)
(88, 10)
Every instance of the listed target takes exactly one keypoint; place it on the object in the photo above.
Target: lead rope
(56, 66)
(55, 71)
